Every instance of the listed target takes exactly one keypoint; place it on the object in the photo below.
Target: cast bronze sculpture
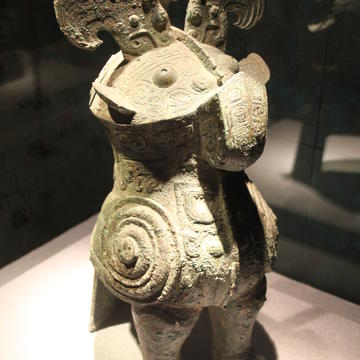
(183, 228)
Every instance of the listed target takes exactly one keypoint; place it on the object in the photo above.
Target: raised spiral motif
(136, 249)
(248, 12)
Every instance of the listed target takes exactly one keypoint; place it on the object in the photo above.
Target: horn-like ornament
(137, 26)
(207, 21)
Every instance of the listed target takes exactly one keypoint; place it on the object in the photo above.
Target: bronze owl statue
(183, 228)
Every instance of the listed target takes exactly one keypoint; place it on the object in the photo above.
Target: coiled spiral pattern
(135, 249)
(248, 13)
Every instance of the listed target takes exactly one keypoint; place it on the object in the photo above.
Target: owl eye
(165, 76)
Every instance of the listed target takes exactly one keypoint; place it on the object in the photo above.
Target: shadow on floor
(263, 343)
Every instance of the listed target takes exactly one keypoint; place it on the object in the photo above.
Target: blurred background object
(56, 164)
(55, 161)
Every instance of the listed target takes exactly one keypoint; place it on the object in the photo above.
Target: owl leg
(163, 330)
(232, 326)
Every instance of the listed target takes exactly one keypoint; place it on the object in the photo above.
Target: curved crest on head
(207, 20)
(136, 25)
(247, 12)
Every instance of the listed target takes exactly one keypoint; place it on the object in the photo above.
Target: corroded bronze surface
(136, 25)
(183, 228)
(207, 21)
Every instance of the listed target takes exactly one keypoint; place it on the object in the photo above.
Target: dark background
(56, 163)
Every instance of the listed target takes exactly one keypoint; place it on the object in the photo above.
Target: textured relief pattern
(137, 26)
(164, 83)
(196, 209)
(245, 112)
(136, 177)
(138, 249)
(233, 137)
(207, 21)
(183, 229)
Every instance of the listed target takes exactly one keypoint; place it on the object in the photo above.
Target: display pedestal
(45, 306)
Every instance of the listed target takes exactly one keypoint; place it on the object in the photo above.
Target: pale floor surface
(44, 312)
